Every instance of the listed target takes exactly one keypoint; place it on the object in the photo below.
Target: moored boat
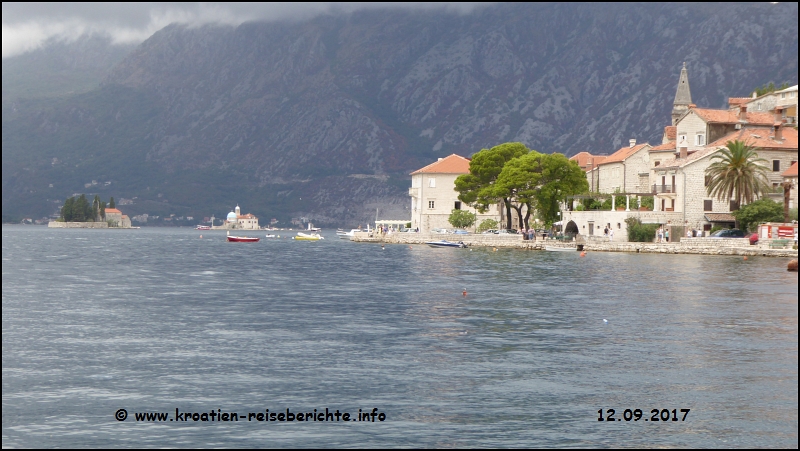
(560, 249)
(445, 243)
(308, 236)
(203, 227)
(242, 239)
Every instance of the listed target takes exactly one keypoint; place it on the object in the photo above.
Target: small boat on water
(308, 236)
(445, 243)
(270, 235)
(242, 239)
(347, 235)
(560, 249)
(203, 227)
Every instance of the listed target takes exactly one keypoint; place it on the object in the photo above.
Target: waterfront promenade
(703, 246)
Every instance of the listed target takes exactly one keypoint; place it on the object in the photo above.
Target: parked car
(460, 232)
(507, 231)
(490, 232)
(438, 230)
(728, 233)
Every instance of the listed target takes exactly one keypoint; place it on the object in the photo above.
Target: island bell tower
(683, 96)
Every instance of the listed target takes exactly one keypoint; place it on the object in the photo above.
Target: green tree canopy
(760, 211)
(461, 219)
(540, 181)
(766, 89)
(67, 210)
(737, 173)
(111, 203)
(476, 188)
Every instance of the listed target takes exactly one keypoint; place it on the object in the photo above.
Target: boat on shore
(445, 243)
(560, 249)
(242, 239)
(308, 236)
(347, 235)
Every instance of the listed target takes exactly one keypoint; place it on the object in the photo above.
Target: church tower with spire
(683, 96)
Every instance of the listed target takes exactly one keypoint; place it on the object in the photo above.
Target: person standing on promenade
(611, 234)
(659, 234)
(666, 235)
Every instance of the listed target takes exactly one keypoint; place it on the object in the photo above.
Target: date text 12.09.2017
(636, 415)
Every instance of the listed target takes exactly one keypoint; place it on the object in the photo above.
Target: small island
(79, 213)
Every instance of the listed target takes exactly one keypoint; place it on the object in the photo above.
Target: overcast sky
(27, 25)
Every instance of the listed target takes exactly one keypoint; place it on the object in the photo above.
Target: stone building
(790, 175)
(433, 194)
(624, 171)
(588, 163)
(236, 220)
(117, 219)
(684, 182)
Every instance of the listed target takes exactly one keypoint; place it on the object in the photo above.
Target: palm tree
(737, 173)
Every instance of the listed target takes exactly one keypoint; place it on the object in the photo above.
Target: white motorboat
(560, 249)
(445, 243)
(347, 235)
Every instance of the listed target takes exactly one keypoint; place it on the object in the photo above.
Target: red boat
(243, 239)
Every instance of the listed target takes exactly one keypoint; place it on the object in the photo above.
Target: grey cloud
(27, 25)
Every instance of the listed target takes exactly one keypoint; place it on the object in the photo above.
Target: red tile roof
(791, 172)
(453, 164)
(732, 117)
(113, 210)
(763, 138)
(663, 147)
(736, 101)
(586, 160)
(671, 132)
(694, 156)
(624, 153)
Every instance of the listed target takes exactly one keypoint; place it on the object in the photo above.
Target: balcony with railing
(663, 189)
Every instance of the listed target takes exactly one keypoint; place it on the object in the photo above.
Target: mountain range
(325, 118)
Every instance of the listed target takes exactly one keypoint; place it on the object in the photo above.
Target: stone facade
(623, 176)
(433, 195)
(592, 223)
(690, 196)
(433, 198)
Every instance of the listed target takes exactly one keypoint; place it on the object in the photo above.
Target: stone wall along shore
(703, 246)
(77, 225)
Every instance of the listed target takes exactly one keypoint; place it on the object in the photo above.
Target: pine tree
(111, 203)
(67, 211)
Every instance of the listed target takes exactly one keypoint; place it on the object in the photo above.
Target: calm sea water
(152, 320)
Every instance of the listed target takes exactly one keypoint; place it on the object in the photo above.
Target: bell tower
(683, 96)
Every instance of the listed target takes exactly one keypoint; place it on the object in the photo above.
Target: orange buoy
(745, 258)
(464, 292)
(411, 247)
(792, 265)
(201, 236)
(583, 254)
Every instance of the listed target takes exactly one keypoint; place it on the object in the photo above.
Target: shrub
(640, 233)
(487, 224)
(461, 219)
